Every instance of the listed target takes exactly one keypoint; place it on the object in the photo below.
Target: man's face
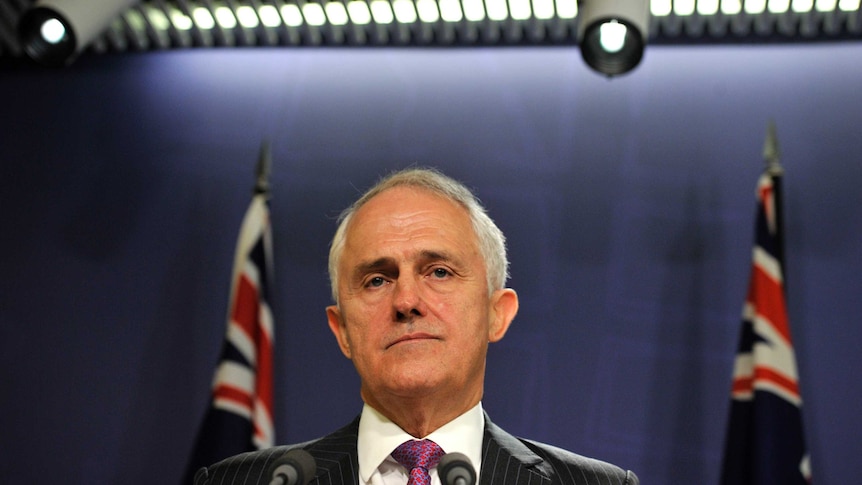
(415, 316)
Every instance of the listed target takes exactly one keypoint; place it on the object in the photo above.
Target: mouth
(410, 338)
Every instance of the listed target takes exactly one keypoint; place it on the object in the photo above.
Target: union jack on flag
(239, 417)
(765, 442)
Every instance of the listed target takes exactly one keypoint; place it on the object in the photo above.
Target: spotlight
(612, 34)
(54, 32)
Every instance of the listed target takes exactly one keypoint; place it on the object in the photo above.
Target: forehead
(405, 213)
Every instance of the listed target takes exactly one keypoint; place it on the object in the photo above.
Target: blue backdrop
(628, 204)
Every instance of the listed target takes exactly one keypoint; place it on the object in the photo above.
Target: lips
(411, 337)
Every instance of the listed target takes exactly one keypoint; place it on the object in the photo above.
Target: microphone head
(456, 469)
(296, 467)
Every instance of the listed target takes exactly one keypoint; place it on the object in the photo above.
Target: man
(418, 270)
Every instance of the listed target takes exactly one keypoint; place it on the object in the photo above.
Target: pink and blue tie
(418, 456)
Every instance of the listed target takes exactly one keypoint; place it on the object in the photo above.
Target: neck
(421, 416)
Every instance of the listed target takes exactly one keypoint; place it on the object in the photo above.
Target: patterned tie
(418, 457)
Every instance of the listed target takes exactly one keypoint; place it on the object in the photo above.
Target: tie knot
(423, 454)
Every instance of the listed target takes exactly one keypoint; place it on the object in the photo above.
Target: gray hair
(492, 243)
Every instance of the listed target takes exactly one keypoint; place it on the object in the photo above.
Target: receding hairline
(489, 238)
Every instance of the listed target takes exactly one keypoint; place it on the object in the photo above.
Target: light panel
(731, 7)
(336, 14)
(319, 13)
(203, 18)
(405, 11)
(381, 12)
(683, 8)
(359, 12)
(520, 9)
(460, 22)
(474, 10)
(313, 14)
(225, 18)
(566, 9)
(497, 10)
(661, 8)
(292, 15)
(450, 10)
(707, 7)
(247, 17)
(427, 10)
(180, 20)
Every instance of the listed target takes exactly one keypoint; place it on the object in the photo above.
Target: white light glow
(566, 9)
(269, 16)
(381, 12)
(497, 9)
(247, 17)
(755, 6)
(52, 31)
(612, 36)
(848, 5)
(224, 17)
(359, 13)
(427, 10)
(203, 18)
(291, 15)
(520, 9)
(336, 13)
(158, 19)
(450, 10)
(474, 10)
(180, 20)
(313, 14)
(825, 5)
(683, 7)
(543, 9)
(707, 7)
(661, 8)
(779, 6)
(731, 7)
(801, 6)
(135, 19)
(405, 12)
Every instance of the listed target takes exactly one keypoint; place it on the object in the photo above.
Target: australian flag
(240, 414)
(765, 443)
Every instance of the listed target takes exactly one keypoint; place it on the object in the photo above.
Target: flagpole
(771, 156)
(771, 153)
(264, 165)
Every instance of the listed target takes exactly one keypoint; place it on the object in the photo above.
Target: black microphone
(296, 467)
(456, 469)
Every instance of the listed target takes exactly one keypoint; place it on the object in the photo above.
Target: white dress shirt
(378, 437)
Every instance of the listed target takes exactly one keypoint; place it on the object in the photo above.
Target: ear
(336, 324)
(504, 307)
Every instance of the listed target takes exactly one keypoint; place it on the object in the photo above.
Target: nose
(407, 300)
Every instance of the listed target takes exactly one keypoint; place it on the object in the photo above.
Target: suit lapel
(336, 457)
(506, 460)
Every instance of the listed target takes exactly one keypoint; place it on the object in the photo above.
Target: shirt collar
(378, 436)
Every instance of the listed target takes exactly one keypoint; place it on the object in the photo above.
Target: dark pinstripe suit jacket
(505, 460)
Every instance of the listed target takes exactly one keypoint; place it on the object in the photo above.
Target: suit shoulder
(250, 468)
(574, 468)
(243, 468)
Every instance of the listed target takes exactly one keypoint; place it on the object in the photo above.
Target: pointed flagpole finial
(264, 163)
(771, 154)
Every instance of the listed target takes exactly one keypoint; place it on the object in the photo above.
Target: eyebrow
(376, 265)
(387, 262)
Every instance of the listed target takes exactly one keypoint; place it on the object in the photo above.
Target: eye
(440, 272)
(376, 282)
